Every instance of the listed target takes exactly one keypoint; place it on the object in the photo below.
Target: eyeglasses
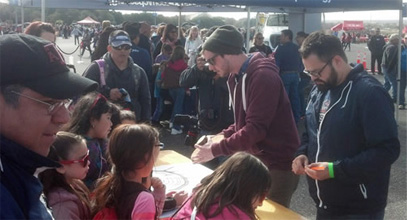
(83, 161)
(318, 74)
(122, 47)
(52, 107)
(161, 145)
(211, 60)
(100, 96)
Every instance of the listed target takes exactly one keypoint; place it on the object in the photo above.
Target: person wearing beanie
(264, 124)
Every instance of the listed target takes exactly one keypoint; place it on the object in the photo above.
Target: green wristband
(331, 170)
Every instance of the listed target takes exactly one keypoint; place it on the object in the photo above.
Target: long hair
(238, 181)
(130, 148)
(51, 179)
(196, 29)
(169, 28)
(90, 106)
(101, 47)
(177, 54)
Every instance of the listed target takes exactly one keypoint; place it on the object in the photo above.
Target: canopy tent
(88, 20)
(298, 6)
(349, 26)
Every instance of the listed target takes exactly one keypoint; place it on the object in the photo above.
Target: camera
(192, 124)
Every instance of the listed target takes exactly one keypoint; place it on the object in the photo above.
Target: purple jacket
(66, 205)
(266, 128)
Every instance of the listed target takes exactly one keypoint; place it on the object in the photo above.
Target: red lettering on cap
(53, 54)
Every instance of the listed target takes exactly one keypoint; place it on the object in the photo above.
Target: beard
(330, 83)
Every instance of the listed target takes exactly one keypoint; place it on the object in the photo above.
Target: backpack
(126, 104)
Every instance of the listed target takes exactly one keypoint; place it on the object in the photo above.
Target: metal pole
(248, 31)
(179, 22)
(43, 10)
(22, 16)
(399, 63)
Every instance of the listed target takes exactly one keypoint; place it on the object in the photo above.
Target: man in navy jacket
(351, 136)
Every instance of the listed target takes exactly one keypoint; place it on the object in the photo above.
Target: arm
(144, 207)
(189, 77)
(382, 146)
(261, 111)
(144, 97)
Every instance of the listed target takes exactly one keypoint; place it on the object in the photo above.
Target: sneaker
(175, 131)
(171, 125)
(402, 107)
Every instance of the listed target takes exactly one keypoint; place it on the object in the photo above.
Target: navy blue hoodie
(359, 135)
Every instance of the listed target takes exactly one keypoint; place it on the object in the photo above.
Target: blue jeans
(177, 95)
(374, 216)
(159, 107)
(301, 93)
(291, 81)
(390, 81)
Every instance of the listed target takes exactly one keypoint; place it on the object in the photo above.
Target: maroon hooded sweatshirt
(264, 126)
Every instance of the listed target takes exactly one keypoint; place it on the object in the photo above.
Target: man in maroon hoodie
(264, 125)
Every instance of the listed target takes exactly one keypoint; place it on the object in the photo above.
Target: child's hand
(158, 193)
(178, 196)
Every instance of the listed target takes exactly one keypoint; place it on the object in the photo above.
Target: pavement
(301, 201)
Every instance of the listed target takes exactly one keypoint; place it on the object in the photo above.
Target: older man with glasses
(350, 141)
(121, 80)
(35, 87)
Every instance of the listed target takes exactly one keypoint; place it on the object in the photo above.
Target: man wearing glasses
(350, 139)
(264, 125)
(118, 76)
(35, 86)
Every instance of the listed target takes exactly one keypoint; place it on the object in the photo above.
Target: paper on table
(181, 176)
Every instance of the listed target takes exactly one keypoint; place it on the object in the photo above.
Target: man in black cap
(264, 125)
(118, 76)
(35, 86)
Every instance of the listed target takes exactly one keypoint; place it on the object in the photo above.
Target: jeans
(321, 215)
(301, 93)
(374, 58)
(291, 81)
(177, 95)
(283, 185)
(390, 81)
(159, 107)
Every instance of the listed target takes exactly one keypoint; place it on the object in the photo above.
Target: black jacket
(375, 44)
(359, 135)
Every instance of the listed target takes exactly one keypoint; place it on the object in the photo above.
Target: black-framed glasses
(161, 145)
(83, 161)
(211, 60)
(53, 106)
(122, 47)
(315, 73)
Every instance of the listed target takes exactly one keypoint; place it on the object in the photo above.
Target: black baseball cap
(37, 64)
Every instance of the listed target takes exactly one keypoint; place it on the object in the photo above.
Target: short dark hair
(323, 46)
(288, 33)
(302, 34)
(132, 28)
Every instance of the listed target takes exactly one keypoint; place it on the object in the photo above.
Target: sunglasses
(122, 47)
(161, 145)
(100, 96)
(83, 161)
(211, 60)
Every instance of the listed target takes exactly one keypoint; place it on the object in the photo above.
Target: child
(232, 191)
(91, 118)
(65, 193)
(133, 149)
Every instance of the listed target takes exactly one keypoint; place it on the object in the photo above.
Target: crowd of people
(89, 143)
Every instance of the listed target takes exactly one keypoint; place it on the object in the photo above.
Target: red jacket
(266, 128)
